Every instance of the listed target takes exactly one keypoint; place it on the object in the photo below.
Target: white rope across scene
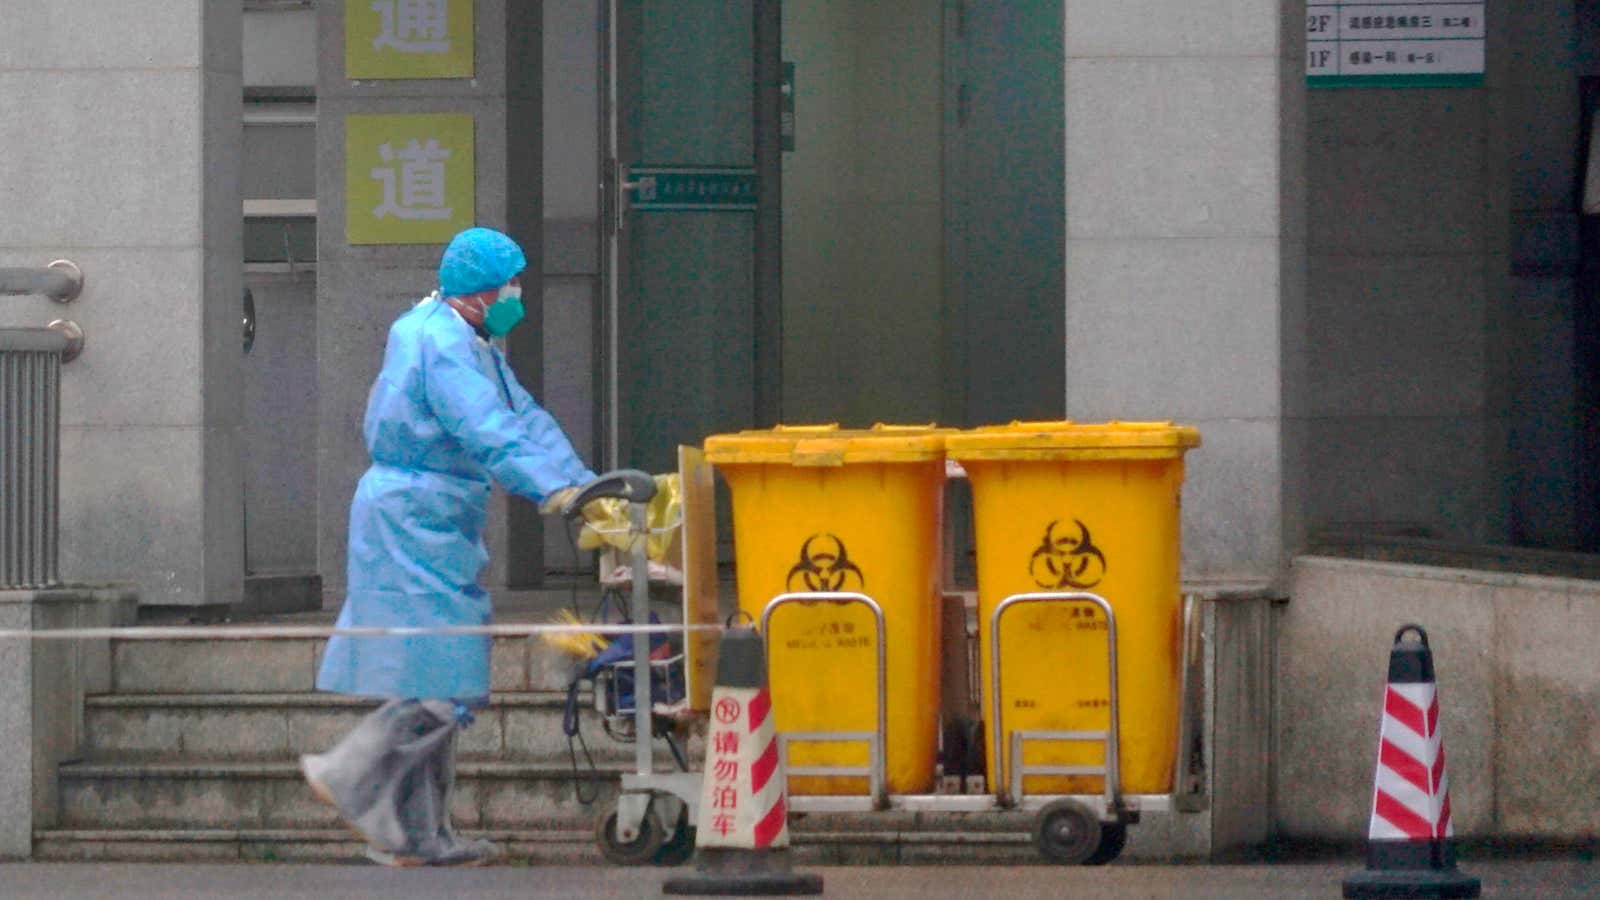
(294, 632)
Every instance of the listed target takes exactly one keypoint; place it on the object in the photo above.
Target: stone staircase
(192, 756)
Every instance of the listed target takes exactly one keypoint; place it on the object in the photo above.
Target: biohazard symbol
(1067, 561)
(825, 566)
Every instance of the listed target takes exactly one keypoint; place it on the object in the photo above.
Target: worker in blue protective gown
(445, 417)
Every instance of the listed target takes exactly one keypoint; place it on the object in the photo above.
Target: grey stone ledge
(1223, 589)
(1548, 583)
(69, 594)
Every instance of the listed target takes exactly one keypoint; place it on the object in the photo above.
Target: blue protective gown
(445, 417)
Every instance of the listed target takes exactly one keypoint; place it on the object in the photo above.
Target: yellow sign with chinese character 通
(408, 178)
(408, 39)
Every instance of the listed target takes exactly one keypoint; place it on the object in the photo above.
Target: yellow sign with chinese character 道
(409, 179)
(408, 39)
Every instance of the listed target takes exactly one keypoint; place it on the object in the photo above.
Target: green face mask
(504, 313)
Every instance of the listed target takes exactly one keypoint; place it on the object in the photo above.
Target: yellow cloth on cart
(584, 645)
(605, 521)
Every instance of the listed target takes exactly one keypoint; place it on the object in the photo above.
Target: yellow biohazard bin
(1064, 507)
(823, 509)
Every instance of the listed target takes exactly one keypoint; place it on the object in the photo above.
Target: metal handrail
(33, 340)
(61, 281)
(1112, 775)
(878, 782)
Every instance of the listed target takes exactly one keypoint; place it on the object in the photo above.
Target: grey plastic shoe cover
(392, 778)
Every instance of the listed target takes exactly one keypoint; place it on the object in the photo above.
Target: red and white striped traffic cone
(1409, 850)
(742, 839)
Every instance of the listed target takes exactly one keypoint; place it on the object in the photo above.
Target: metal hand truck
(654, 818)
(1070, 829)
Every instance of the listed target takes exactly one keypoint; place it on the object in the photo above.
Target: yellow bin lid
(829, 445)
(1073, 440)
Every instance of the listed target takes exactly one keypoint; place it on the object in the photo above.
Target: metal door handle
(618, 197)
(249, 320)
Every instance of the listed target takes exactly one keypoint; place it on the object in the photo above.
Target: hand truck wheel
(678, 848)
(1067, 833)
(637, 852)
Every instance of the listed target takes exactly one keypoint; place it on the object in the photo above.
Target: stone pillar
(1185, 257)
(16, 736)
(1185, 249)
(42, 686)
(123, 156)
(362, 289)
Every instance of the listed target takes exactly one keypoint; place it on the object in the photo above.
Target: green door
(686, 217)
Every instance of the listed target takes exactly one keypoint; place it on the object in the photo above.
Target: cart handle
(878, 783)
(628, 484)
(1112, 776)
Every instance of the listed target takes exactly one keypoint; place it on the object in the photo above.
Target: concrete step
(273, 796)
(290, 666)
(522, 846)
(573, 847)
(522, 726)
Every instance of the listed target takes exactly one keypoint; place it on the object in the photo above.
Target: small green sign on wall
(701, 189)
(409, 179)
(408, 39)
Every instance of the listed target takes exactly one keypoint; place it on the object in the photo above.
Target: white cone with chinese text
(742, 836)
(1409, 851)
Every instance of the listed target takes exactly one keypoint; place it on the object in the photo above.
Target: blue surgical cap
(478, 259)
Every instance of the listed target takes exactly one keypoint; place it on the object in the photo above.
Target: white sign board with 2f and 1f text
(1383, 43)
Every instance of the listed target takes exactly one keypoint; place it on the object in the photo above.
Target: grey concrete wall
(16, 736)
(1519, 690)
(129, 167)
(862, 215)
(572, 302)
(571, 324)
(362, 289)
(280, 429)
(1183, 243)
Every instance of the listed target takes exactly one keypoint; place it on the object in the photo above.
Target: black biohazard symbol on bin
(1067, 561)
(825, 566)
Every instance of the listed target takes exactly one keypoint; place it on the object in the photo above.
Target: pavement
(1526, 879)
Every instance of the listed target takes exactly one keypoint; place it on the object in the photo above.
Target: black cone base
(751, 884)
(1389, 883)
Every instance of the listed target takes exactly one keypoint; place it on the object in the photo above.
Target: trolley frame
(1111, 805)
(645, 786)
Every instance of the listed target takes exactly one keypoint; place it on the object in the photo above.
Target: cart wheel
(679, 846)
(1067, 833)
(637, 852)
(1113, 837)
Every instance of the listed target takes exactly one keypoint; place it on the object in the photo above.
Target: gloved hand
(608, 521)
(557, 501)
